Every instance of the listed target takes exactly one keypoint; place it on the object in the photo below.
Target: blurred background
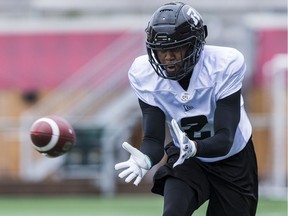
(70, 58)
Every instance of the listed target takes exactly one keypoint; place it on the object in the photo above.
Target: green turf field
(140, 205)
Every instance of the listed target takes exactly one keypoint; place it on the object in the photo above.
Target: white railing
(276, 71)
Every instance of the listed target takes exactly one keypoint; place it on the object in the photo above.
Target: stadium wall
(34, 62)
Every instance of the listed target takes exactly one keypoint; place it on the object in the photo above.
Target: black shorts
(230, 185)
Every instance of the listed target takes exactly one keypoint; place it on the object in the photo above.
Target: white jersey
(218, 73)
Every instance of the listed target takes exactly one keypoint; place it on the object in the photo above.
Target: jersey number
(193, 125)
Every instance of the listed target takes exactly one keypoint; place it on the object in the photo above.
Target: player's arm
(154, 132)
(152, 148)
(226, 119)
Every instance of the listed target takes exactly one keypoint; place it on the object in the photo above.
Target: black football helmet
(175, 25)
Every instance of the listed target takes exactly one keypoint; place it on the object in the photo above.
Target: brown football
(52, 136)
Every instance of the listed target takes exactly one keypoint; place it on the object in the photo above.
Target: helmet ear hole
(205, 31)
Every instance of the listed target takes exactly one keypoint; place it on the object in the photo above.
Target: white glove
(136, 167)
(187, 147)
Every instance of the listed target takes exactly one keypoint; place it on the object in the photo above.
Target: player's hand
(136, 167)
(187, 147)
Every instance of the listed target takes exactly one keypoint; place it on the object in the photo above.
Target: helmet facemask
(184, 66)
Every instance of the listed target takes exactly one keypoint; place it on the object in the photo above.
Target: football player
(196, 90)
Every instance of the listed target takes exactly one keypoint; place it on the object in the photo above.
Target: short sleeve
(233, 75)
(138, 75)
